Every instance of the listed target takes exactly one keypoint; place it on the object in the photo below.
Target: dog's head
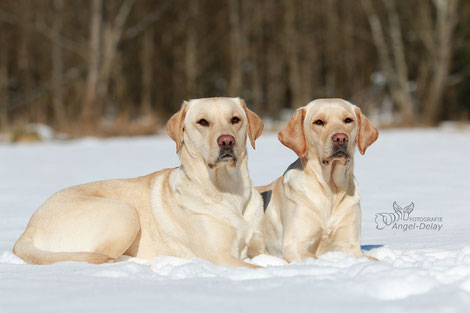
(329, 129)
(215, 129)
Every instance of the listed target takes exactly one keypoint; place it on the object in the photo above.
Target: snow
(419, 270)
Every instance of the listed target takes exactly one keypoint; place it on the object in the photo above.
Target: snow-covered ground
(420, 270)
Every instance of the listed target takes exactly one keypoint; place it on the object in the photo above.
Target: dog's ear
(255, 124)
(367, 134)
(175, 126)
(293, 136)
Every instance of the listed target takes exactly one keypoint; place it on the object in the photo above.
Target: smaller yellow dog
(314, 207)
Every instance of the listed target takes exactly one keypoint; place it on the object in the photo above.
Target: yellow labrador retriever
(205, 208)
(314, 207)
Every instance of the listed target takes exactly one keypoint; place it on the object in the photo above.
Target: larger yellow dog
(205, 208)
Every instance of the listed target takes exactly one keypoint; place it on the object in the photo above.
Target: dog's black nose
(340, 139)
(226, 141)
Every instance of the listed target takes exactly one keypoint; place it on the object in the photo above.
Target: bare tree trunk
(331, 54)
(348, 38)
(90, 100)
(354, 85)
(401, 69)
(175, 70)
(237, 49)
(3, 83)
(422, 79)
(310, 64)
(395, 73)
(57, 64)
(446, 20)
(25, 67)
(102, 55)
(147, 63)
(191, 65)
(275, 83)
(290, 46)
(112, 36)
(254, 9)
(120, 91)
(426, 31)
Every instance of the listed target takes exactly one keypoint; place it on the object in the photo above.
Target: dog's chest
(235, 206)
(325, 208)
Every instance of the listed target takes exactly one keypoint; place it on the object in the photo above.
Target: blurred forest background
(122, 67)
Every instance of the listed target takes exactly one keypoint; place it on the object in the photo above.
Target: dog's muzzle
(226, 144)
(226, 154)
(340, 151)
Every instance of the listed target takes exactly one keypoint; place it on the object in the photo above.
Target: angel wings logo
(386, 219)
(400, 219)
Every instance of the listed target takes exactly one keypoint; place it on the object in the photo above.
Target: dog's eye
(319, 123)
(348, 120)
(203, 122)
(235, 120)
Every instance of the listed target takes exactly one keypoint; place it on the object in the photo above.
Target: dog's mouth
(224, 156)
(339, 153)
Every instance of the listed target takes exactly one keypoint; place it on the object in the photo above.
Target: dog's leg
(297, 251)
(75, 227)
(120, 232)
(233, 262)
(350, 248)
(257, 245)
(347, 240)
(301, 240)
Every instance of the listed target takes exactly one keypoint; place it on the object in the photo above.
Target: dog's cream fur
(314, 207)
(205, 208)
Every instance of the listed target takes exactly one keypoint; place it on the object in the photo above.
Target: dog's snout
(226, 141)
(340, 139)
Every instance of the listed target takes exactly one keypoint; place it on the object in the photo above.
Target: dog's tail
(26, 250)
